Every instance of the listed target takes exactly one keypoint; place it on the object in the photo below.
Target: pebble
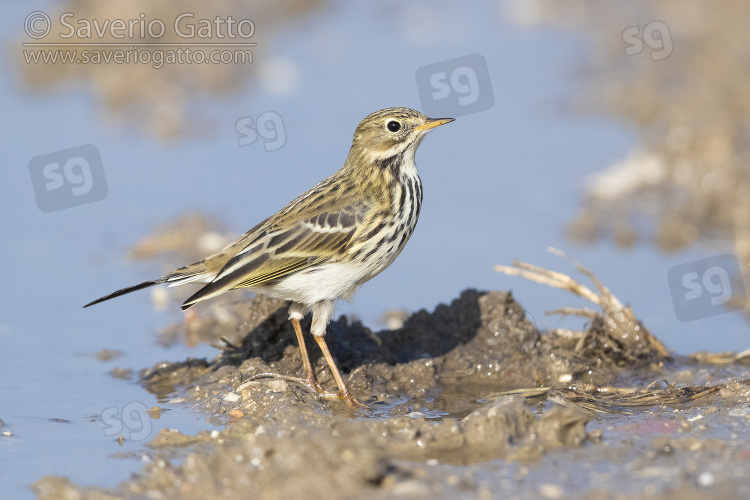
(232, 397)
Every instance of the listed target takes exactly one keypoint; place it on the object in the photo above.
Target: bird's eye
(394, 126)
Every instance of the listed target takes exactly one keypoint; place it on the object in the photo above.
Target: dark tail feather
(123, 291)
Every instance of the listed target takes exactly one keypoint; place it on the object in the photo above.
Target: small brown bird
(328, 241)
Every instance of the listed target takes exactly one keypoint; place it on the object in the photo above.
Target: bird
(327, 242)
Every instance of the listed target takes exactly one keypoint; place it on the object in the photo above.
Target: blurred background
(617, 132)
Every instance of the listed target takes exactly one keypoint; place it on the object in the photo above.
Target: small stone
(236, 414)
(232, 397)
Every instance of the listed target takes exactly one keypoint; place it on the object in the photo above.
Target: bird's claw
(353, 402)
(312, 384)
(308, 382)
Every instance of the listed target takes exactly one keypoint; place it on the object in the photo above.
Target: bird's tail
(123, 291)
(198, 272)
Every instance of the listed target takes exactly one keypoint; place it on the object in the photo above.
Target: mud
(685, 183)
(438, 425)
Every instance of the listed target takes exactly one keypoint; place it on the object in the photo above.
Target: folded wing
(285, 248)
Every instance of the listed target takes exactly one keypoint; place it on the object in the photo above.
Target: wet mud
(441, 422)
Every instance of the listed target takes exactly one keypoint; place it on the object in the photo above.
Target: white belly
(329, 281)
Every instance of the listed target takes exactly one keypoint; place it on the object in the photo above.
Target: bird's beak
(432, 123)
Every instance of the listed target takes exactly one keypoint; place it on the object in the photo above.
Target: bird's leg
(310, 381)
(310, 378)
(344, 392)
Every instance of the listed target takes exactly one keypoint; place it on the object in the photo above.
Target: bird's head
(391, 133)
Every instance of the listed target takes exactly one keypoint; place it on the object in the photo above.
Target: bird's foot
(312, 384)
(309, 382)
(353, 402)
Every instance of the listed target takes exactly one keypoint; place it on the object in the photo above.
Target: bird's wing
(308, 231)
